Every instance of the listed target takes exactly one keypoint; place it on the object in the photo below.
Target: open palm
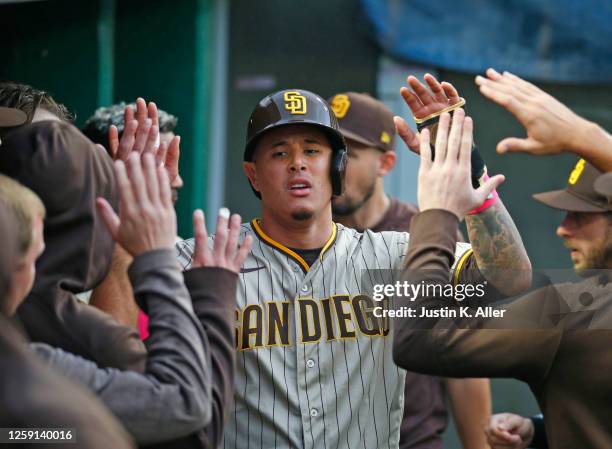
(423, 102)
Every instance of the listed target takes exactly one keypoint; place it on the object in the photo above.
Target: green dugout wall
(89, 54)
(93, 53)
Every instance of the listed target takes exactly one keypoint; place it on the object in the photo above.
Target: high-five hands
(226, 253)
(141, 135)
(422, 103)
(146, 219)
(550, 125)
(445, 182)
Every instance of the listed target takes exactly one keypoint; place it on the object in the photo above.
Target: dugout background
(210, 61)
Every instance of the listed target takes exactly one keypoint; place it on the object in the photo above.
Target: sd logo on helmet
(298, 107)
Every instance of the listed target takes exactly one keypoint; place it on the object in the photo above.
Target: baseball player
(367, 126)
(314, 364)
(556, 339)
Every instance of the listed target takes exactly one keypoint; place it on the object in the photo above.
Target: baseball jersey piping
(282, 248)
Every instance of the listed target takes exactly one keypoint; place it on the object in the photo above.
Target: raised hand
(226, 253)
(509, 431)
(446, 181)
(146, 219)
(141, 135)
(550, 125)
(140, 132)
(410, 138)
(169, 154)
(423, 103)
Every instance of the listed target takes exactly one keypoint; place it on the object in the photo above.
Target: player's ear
(251, 174)
(387, 162)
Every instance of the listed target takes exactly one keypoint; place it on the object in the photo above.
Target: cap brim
(564, 200)
(603, 185)
(349, 135)
(12, 117)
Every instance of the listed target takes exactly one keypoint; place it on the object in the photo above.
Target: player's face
(589, 237)
(362, 172)
(177, 183)
(291, 170)
(23, 276)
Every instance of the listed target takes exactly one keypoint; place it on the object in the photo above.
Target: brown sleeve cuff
(149, 261)
(436, 226)
(213, 291)
(213, 285)
(432, 240)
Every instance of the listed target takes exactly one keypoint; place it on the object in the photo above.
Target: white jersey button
(314, 412)
(304, 288)
(296, 268)
(310, 363)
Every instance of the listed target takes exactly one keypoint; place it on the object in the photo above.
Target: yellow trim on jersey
(331, 240)
(460, 264)
(270, 241)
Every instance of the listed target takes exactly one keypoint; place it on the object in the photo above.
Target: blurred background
(210, 61)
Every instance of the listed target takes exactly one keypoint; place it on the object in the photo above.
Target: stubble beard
(598, 259)
(349, 207)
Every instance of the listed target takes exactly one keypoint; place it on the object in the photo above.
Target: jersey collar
(282, 248)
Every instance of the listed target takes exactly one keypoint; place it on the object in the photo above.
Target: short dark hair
(28, 99)
(96, 127)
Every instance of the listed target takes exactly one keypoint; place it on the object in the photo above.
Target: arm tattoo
(498, 249)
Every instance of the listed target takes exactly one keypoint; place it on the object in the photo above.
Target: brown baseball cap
(603, 185)
(579, 195)
(364, 120)
(12, 117)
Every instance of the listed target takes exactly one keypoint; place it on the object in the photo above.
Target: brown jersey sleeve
(468, 347)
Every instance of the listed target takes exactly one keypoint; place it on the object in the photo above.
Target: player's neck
(370, 213)
(300, 234)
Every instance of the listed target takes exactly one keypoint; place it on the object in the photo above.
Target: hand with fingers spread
(424, 102)
(509, 431)
(445, 182)
(226, 253)
(551, 126)
(146, 219)
(141, 134)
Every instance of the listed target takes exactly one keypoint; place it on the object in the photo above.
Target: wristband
(479, 169)
(421, 122)
(431, 122)
(490, 198)
(539, 433)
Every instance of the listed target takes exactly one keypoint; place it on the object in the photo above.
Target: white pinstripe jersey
(314, 366)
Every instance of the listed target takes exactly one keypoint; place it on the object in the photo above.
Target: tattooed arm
(498, 249)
